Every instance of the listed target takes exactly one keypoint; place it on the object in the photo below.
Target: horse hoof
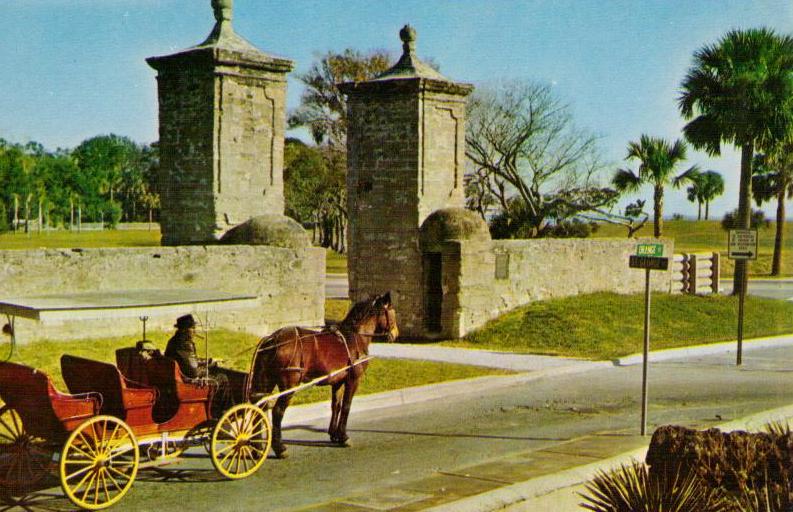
(281, 454)
(344, 443)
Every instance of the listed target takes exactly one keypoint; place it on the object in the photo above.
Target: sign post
(649, 257)
(742, 245)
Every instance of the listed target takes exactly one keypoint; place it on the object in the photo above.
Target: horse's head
(385, 323)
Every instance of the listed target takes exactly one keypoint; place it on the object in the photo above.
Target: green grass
(85, 239)
(335, 263)
(336, 309)
(708, 236)
(608, 325)
(235, 349)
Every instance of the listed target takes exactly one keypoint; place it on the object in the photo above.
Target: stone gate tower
(405, 159)
(222, 117)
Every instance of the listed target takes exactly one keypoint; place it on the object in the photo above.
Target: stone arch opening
(442, 236)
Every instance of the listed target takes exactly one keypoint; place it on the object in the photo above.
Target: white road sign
(742, 244)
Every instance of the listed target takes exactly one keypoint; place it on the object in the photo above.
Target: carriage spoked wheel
(241, 441)
(24, 459)
(99, 462)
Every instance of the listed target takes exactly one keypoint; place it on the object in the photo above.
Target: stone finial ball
(223, 9)
(407, 34)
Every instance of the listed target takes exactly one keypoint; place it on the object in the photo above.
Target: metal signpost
(742, 245)
(649, 257)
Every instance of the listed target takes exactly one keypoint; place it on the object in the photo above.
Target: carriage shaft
(262, 401)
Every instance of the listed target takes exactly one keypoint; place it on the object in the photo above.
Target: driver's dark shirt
(181, 349)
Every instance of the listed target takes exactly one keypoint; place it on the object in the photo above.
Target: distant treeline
(106, 179)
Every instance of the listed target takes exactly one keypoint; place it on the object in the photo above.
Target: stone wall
(290, 283)
(530, 270)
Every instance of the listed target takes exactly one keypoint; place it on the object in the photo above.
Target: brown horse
(294, 355)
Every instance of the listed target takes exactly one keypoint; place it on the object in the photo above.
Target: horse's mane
(358, 312)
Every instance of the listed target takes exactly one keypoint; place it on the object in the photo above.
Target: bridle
(389, 336)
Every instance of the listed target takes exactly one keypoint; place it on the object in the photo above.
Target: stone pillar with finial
(405, 160)
(222, 123)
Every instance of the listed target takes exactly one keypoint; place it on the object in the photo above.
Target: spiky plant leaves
(631, 488)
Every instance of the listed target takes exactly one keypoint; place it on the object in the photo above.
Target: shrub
(751, 471)
(633, 488)
(758, 220)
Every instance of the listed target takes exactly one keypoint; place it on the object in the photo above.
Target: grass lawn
(235, 349)
(335, 263)
(608, 325)
(85, 239)
(707, 236)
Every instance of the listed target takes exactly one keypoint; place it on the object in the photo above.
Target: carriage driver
(181, 348)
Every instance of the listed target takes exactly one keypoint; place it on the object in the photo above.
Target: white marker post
(742, 245)
(649, 257)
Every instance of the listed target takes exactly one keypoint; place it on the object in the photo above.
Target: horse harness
(295, 363)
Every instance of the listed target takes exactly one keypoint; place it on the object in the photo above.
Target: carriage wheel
(241, 441)
(24, 459)
(99, 462)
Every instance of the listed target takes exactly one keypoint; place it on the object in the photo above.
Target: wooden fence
(695, 273)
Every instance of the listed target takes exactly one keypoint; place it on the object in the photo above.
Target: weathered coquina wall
(491, 277)
(290, 283)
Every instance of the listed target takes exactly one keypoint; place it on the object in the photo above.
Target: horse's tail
(261, 378)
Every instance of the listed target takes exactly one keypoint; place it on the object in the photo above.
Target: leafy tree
(529, 162)
(705, 187)
(773, 179)
(730, 220)
(658, 162)
(323, 110)
(118, 174)
(739, 91)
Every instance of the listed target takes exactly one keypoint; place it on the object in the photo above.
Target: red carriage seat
(45, 412)
(122, 397)
(183, 401)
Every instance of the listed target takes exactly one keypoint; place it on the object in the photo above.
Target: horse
(294, 355)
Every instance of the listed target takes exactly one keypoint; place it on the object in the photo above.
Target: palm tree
(712, 187)
(740, 91)
(694, 194)
(658, 160)
(773, 179)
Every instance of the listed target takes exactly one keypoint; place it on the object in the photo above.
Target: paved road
(399, 451)
(336, 286)
(771, 288)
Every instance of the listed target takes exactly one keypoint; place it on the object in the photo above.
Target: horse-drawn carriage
(142, 412)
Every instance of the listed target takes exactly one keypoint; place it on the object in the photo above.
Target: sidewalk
(536, 480)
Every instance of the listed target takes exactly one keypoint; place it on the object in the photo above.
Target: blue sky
(73, 69)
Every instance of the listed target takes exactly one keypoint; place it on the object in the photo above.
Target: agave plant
(632, 488)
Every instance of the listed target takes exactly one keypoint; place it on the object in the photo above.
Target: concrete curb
(536, 487)
(708, 349)
(417, 394)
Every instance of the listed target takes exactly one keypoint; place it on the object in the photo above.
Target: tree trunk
(71, 214)
(776, 264)
(16, 212)
(41, 217)
(27, 213)
(699, 210)
(744, 213)
(707, 209)
(658, 213)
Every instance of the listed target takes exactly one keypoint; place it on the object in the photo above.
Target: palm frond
(626, 180)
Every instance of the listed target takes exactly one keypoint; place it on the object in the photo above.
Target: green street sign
(652, 250)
